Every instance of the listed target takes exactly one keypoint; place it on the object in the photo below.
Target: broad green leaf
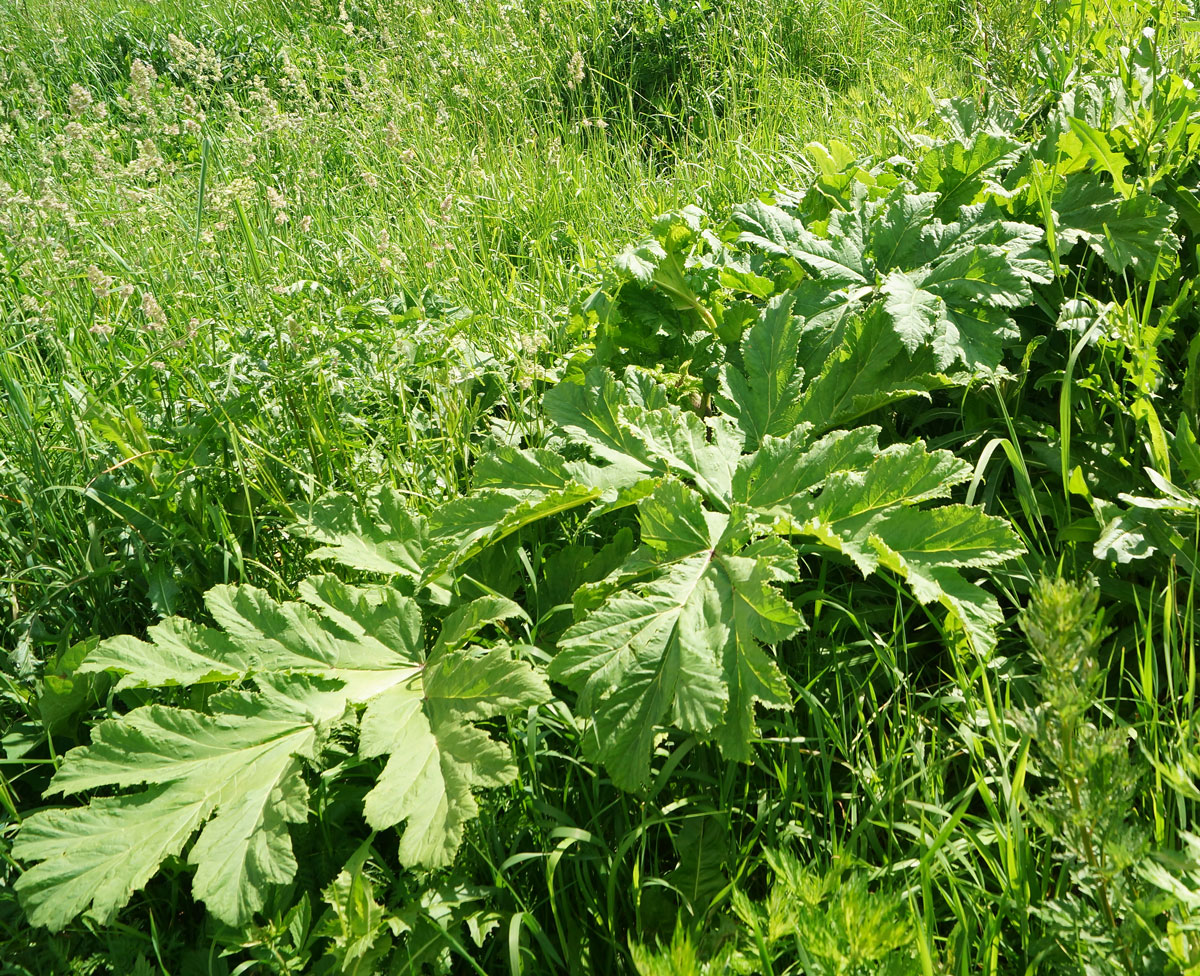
(900, 228)
(640, 262)
(464, 623)
(871, 517)
(915, 312)
(240, 767)
(760, 616)
(783, 469)
(978, 275)
(766, 226)
(466, 526)
(534, 471)
(746, 282)
(591, 413)
(382, 537)
(644, 657)
(840, 260)
(650, 263)
(682, 647)
(1125, 538)
(941, 282)
(1127, 233)
(611, 417)
(956, 170)
(825, 309)
(382, 625)
(683, 444)
(901, 475)
(94, 858)
(384, 639)
(703, 847)
(980, 225)
(517, 469)
(763, 397)
(868, 370)
(289, 634)
(180, 652)
(436, 756)
(368, 639)
(950, 535)
(975, 284)
(974, 335)
(675, 526)
(246, 848)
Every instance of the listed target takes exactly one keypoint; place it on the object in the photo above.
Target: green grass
(447, 170)
(329, 247)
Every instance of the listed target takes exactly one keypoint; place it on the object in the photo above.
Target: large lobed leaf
(235, 772)
(383, 536)
(679, 634)
(945, 287)
(684, 647)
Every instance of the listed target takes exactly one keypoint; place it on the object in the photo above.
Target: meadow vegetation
(616, 486)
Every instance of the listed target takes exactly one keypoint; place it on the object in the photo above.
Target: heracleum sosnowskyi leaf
(867, 370)
(365, 638)
(901, 230)
(957, 169)
(1132, 233)
(839, 262)
(915, 312)
(384, 536)
(437, 756)
(235, 772)
(669, 649)
(948, 285)
(679, 634)
(764, 398)
(240, 767)
(466, 526)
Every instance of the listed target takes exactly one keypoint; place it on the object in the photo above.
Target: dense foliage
(828, 606)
